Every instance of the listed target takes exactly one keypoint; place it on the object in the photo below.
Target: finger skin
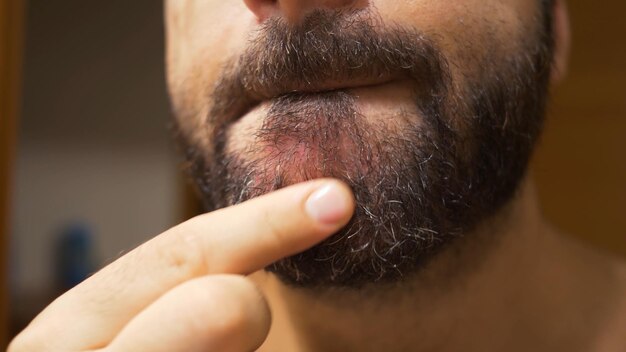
(235, 240)
(213, 313)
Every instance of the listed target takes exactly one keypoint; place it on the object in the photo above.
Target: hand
(186, 289)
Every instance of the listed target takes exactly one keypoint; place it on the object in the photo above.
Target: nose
(294, 10)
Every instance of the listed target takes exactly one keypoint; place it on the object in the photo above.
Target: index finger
(236, 240)
(261, 231)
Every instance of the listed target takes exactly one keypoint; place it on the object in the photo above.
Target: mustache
(328, 50)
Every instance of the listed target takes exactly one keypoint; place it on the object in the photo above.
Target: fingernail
(328, 205)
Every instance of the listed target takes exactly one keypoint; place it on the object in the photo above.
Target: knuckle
(17, 345)
(274, 228)
(24, 342)
(236, 302)
(182, 252)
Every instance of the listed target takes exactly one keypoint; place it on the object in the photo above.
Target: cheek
(469, 32)
(201, 37)
(449, 17)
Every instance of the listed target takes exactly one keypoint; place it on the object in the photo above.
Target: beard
(421, 180)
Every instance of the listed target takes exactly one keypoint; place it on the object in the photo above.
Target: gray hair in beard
(416, 191)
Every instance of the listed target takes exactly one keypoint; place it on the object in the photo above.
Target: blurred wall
(11, 40)
(93, 143)
(581, 163)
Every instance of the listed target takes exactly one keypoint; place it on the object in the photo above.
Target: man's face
(428, 109)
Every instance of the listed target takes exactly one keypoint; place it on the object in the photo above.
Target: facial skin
(414, 112)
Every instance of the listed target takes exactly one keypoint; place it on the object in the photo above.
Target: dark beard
(416, 191)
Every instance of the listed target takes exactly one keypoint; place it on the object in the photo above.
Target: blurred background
(94, 171)
(89, 171)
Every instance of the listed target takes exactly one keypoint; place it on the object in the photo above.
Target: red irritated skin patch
(306, 136)
(301, 136)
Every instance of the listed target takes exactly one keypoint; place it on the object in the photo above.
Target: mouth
(260, 95)
(257, 97)
(253, 92)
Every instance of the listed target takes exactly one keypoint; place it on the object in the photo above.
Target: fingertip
(331, 204)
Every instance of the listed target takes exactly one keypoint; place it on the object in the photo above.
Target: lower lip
(375, 102)
(390, 104)
(369, 97)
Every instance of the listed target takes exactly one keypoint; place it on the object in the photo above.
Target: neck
(510, 284)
